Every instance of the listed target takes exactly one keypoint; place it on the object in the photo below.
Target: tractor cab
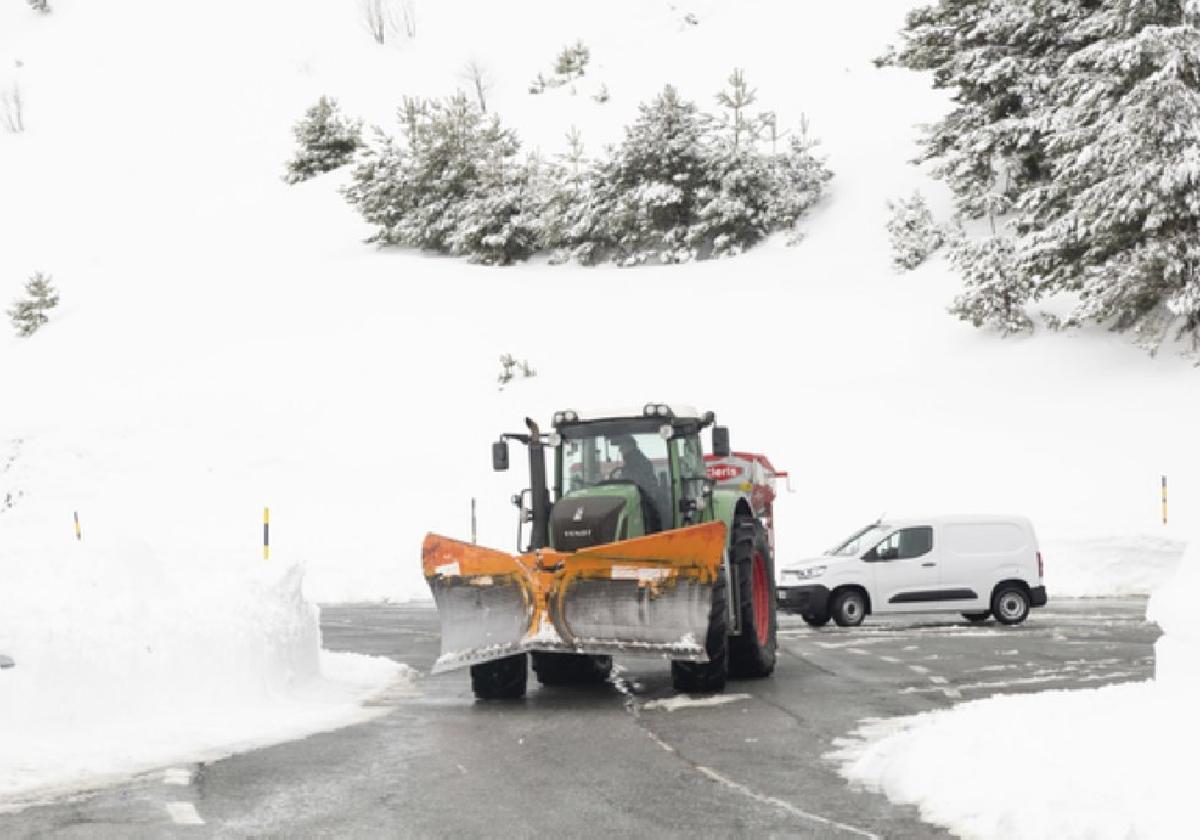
(617, 477)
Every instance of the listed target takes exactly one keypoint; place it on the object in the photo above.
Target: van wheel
(817, 620)
(1010, 604)
(975, 618)
(849, 608)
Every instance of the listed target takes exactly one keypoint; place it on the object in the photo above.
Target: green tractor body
(638, 543)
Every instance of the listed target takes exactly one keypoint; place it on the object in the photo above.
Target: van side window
(905, 544)
(915, 542)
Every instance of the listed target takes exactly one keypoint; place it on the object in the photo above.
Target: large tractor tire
(500, 679)
(571, 668)
(752, 652)
(708, 677)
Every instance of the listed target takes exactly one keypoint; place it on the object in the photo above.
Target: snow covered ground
(1100, 763)
(226, 342)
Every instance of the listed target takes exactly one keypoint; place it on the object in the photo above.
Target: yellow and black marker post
(266, 533)
(78, 532)
(1164, 499)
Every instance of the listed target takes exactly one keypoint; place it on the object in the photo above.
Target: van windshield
(858, 542)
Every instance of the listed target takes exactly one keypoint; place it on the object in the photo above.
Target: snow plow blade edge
(645, 596)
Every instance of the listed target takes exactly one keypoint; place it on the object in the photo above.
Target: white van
(979, 566)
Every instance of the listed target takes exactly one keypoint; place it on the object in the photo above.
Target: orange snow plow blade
(649, 596)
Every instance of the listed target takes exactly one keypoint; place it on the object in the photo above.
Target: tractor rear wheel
(752, 652)
(571, 668)
(500, 679)
(708, 677)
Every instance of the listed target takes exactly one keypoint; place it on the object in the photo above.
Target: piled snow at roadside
(126, 659)
(1129, 564)
(1101, 763)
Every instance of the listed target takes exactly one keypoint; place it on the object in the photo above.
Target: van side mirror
(720, 436)
(500, 455)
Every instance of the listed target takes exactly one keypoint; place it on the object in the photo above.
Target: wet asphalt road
(609, 761)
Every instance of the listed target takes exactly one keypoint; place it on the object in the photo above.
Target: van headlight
(803, 574)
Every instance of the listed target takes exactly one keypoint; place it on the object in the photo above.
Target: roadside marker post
(472, 520)
(266, 533)
(78, 532)
(1164, 499)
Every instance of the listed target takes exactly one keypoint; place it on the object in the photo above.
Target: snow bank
(1129, 564)
(126, 659)
(1177, 653)
(1098, 764)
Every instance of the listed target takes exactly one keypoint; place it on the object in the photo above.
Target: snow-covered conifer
(28, 314)
(995, 292)
(42, 6)
(737, 99)
(1119, 223)
(327, 140)
(573, 60)
(644, 196)
(454, 183)
(914, 235)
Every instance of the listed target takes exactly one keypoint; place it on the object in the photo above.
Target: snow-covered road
(438, 764)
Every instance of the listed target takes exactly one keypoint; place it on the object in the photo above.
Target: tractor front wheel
(752, 652)
(500, 679)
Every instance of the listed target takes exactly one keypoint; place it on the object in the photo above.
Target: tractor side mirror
(500, 455)
(721, 441)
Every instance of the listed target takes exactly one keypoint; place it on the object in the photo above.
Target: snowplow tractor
(639, 546)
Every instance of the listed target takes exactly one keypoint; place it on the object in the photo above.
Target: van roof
(956, 519)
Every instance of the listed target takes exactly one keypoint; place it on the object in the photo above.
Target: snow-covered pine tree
(737, 99)
(573, 60)
(914, 234)
(454, 184)
(511, 368)
(798, 179)
(326, 139)
(558, 192)
(644, 193)
(42, 6)
(1119, 223)
(995, 292)
(28, 314)
(379, 187)
(1000, 58)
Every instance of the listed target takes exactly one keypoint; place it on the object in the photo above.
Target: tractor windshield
(618, 451)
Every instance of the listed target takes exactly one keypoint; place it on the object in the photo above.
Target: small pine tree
(454, 184)
(573, 60)
(913, 233)
(326, 139)
(28, 314)
(737, 99)
(42, 6)
(995, 291)
(511, 368)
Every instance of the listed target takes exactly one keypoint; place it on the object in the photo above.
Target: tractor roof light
(667, 431)
(561, 417)
(656, 410)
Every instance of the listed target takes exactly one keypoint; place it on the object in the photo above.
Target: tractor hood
(596, 515)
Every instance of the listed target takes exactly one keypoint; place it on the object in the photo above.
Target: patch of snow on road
(684, 701)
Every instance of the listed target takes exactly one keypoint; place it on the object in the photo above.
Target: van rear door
(978, 555)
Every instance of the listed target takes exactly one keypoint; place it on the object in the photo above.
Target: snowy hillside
(225, 342)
